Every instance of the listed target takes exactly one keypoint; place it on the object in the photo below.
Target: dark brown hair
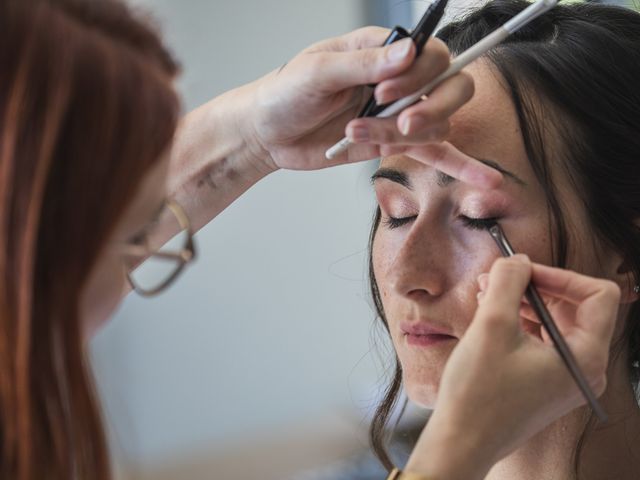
(573, 72)
(86, 108)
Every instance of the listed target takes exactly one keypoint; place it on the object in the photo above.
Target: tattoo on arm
(221, 171)
(207, 180)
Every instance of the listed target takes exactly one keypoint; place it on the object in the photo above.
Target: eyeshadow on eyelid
(398, 208)
(485, 204)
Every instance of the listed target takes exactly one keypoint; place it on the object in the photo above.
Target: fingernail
(399, 50)
(359, 135)
(406, 126)
(387, 96)
(521, 257)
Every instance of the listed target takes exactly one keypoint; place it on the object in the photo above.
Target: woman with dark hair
(557, 111)
(88, 115)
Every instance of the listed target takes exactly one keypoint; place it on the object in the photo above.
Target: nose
(419, 269)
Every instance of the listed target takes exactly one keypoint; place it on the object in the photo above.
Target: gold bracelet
(397, 474)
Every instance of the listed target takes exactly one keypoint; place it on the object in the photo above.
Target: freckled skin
(426, 270)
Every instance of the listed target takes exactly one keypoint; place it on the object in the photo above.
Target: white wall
(271, 328)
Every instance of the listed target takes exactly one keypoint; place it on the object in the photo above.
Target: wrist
(447, 452)
(218, 136)
(238, 107)
(214, 160)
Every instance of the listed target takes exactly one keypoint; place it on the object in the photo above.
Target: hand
(299, 111)
(502, 384)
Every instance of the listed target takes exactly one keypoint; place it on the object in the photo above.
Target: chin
(421, 372)
(422, 390)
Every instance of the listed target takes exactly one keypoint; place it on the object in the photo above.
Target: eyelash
(479, 223)
(393, 222)
(471, 223)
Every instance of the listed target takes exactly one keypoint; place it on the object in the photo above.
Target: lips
(424, 335)
(423, 328)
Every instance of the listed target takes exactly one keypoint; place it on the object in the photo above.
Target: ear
(626, 280)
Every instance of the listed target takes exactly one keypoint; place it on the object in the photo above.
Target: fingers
(442, 156)
(335, 71)
(448, 159)
(499, 307)
(433, 60)
(588, 303)
(441, 103)
(358, 59)
(572, 286)
(597, 300)
(384, 131)
(421, 119)
(355, 59)
(529, 314)
(366, 37)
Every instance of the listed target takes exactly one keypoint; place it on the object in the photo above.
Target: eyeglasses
(151, 270)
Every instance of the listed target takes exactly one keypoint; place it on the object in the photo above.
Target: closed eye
(469, 222)
(393, 222)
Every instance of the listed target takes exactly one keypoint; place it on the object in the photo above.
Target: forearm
(212, 162)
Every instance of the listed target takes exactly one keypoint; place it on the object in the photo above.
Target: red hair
(87, 107)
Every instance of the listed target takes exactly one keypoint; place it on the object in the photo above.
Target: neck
(606, 451)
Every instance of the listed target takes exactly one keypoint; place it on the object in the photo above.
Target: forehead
(489, 117)
(486, 127)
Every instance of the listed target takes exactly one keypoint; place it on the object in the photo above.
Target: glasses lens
(158, 269)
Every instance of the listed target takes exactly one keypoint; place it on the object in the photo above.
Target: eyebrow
(443, 180)
(394, 175)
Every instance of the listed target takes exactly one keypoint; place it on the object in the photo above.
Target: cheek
(457, 258)
(103, 293)
(382, 254)
(453, 266)
(532, 238)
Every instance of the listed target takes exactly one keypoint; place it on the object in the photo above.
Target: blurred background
(264, 361)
